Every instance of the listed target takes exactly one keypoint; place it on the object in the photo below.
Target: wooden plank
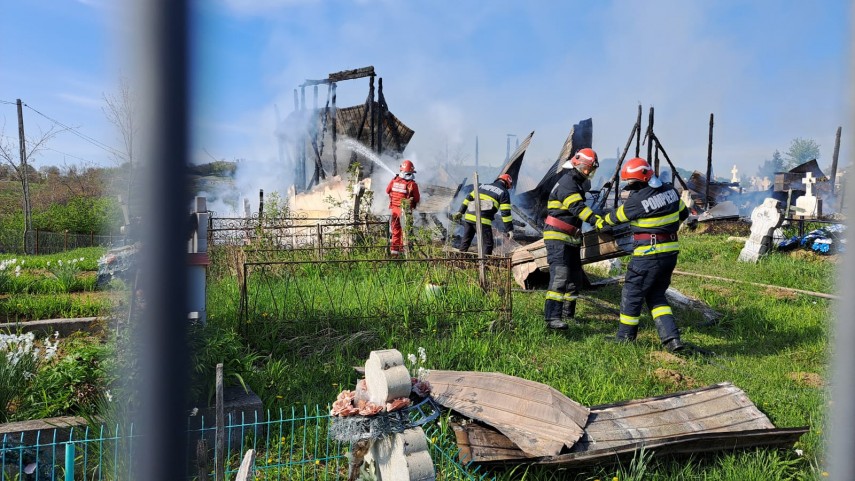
(678, 422)
(536, 417)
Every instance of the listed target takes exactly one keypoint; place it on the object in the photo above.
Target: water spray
(367, 153)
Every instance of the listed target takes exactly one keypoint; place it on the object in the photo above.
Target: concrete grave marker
(734, 171)
(765, 218)
(809, 205)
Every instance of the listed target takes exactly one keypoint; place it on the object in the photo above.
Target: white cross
(809, 180)
(734, 171)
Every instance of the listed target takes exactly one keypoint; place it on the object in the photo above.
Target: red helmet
(506, 178)
(585, 158)
(407, 167)
(636, 169)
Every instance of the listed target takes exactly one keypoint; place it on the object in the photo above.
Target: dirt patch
(729, 227)
(810, 379)
(726, 291)
(670, 376)
(666, 357)
(780, 294)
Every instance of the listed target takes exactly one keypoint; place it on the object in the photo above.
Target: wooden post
(334, 131)
(638, 133)
(202, 459)
(372, 133)
(65, 240)
(650, 139)
(709, 165)
(668, 159)
(616, 177)
(220, 443)
(91, 238)
(655, 157)
(37, 242)
(25, 182)
(379, 116)
(834, 159)
(476, 197)
(320, 240)
(245, 472)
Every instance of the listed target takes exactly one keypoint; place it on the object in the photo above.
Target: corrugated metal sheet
(707, 419)
(537, 418)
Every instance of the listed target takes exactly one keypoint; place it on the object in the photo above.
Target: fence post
(65, 240)
(37, 242)
(220, 442)
(91, 238)
(320, 241)
(69, 461)
(476, 197)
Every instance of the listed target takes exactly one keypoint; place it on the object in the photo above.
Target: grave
(809, 206)
(765, 218)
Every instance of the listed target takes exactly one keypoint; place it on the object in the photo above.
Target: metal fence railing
(46, 242)
(289, 445)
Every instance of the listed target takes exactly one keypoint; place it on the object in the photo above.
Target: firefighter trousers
(396, 246)
(565, 279)
(469, 232)
(647, 279)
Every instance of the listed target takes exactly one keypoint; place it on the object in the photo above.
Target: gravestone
(765, 218)
(808, 205)
(765, 183)
(734, 178)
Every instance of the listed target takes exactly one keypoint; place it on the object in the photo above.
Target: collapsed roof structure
(309, 138)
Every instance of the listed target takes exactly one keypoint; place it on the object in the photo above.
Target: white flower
(799, 452)
(56, 334)
(411, 358)
(422, 355)
(108, 396)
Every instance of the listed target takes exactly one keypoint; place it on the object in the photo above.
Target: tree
(11, 156)
(121, 110)
(801, 151)
(770, 166)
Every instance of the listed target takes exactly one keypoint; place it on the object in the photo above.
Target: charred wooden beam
(834, 159)
(660, 148)
(709, 166)
(351, 74)
(380, 117)
(638, 133)
(616, 176)
(650, 140)
(334, 131)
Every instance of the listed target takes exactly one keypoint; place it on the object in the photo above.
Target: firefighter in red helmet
(402, 187)
(654, 211)
(493, 198)
(562, 236)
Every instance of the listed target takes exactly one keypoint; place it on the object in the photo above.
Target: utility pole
(25, 183)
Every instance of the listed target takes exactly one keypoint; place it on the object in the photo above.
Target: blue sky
(770, 71)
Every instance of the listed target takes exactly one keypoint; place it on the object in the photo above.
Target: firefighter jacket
(566, 209)
(654, 214)
(399, 189)
(493, 198)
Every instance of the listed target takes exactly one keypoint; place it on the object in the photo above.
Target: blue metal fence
(290, 445)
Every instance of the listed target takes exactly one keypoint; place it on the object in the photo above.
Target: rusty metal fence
(279, 299)
(46, 242)
(296, 232)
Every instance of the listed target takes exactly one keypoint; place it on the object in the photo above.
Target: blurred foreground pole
(160, 35)
(841, 419)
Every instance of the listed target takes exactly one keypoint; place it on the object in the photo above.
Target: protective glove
(456, 216)
(607, 185)
(600, 223)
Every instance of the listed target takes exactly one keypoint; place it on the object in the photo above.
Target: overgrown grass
(771, 344)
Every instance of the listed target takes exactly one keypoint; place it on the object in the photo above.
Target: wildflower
(56, 334)
(799, 452)
(422, 355)
(825, 474)
(411, 358)
(108, 396)
(317, 462)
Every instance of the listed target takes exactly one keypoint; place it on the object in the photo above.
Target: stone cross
(809, 180)
(765, 183)
(734, 172)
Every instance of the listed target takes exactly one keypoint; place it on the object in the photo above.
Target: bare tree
(33, 145)
(122, 111)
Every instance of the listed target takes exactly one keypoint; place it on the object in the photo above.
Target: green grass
(89, 254)
(764, 338)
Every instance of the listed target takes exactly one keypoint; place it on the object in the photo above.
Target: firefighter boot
(556, 324)
(626, 333)
(568, 312)
(668, 333)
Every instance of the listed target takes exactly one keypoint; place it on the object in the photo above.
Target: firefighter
(403, 186)
(493, 198)
(654, 211)
(562, 235)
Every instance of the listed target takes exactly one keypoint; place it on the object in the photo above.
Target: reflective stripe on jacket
(494, 198)
(567, 204)
(651, 210)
